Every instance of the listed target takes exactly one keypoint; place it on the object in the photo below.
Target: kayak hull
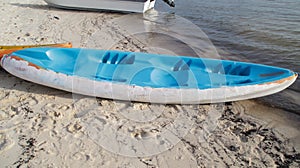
(119, 90)
(138, 6)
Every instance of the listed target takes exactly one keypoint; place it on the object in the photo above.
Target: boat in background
(145, 77)
(138, 6)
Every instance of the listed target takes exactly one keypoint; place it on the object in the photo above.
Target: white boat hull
(138, 6)
(105, 89)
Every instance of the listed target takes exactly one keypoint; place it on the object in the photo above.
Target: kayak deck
(150, 70)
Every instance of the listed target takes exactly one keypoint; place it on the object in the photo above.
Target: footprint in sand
(32, 101)
(5, 142)
(3, 94)
(135, 138)
(140, 112)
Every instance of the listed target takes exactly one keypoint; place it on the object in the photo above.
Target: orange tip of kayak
(10, 49)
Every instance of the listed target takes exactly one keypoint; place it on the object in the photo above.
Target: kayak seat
(163, 74)
(111, 63)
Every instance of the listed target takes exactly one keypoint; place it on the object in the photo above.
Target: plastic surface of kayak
(146, 77)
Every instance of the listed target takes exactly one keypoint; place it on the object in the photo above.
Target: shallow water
(259, 30)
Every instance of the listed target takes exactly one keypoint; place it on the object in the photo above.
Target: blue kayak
(145, 77)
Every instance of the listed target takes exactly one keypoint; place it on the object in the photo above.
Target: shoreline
(41, 126)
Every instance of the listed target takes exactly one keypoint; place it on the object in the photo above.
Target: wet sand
(45, 127)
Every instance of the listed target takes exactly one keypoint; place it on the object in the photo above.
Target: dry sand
(45, 127)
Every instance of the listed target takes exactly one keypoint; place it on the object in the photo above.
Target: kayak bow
(9, 49)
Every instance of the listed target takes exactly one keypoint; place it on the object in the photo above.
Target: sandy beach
(45, 127)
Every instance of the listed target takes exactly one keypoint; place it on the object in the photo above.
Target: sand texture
(45, 127)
